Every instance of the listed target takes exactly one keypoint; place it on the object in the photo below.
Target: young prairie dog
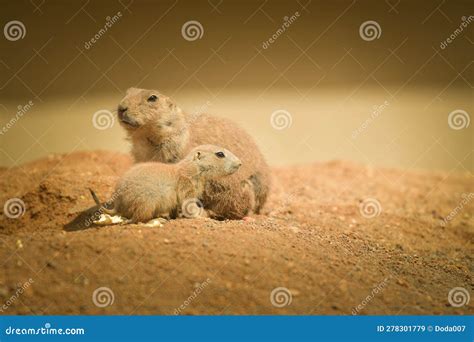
(150, 190)
(160, 131)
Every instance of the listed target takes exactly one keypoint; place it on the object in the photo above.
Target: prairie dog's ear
(197, 156)
(171, 103)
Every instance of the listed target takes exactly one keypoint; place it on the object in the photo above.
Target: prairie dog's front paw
(248, 190)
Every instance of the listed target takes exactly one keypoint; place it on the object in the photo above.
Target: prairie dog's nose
(121, 110)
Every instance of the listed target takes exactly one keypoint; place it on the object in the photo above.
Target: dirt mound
(335, 238)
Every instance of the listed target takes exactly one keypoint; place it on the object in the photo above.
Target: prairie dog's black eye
(220, 154)
(152, 98)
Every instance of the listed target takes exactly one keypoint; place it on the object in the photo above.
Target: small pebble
(294, 229)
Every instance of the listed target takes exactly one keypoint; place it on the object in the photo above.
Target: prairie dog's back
(146, 190)
(207, 129)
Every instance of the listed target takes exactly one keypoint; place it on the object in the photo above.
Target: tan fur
(162, 132)
(149, 190)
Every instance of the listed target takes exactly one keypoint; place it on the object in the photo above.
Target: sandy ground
(312, 240)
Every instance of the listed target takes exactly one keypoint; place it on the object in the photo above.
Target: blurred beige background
(320, 74)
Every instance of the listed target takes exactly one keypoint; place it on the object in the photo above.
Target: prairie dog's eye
(220, 154)
(152, 98)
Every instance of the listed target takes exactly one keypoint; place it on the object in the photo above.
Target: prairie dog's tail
(94, 197)
(97, 202)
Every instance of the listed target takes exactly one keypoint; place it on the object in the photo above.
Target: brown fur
(161, 131)
(150, 190)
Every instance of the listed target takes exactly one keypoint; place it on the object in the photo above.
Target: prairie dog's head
(143, 108)
(214, 161)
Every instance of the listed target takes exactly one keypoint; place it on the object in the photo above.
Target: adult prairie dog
(150, 190)
(160, 131)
